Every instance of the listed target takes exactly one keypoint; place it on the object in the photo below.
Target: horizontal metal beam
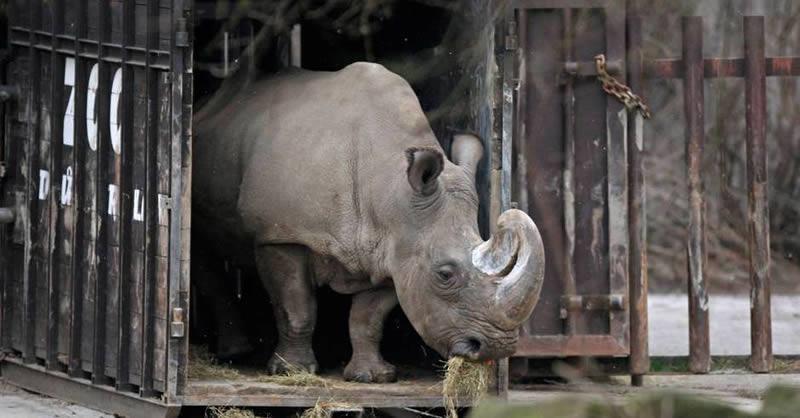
(80, 391)
(570, 346)
(563, 4)
(88, 48)
(721, 67)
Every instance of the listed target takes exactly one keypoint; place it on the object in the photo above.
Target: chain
(622, 92)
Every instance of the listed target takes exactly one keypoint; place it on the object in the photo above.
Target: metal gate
(572, 147)
(95, 260)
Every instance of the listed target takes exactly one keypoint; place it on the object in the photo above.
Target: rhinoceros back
(304, 157)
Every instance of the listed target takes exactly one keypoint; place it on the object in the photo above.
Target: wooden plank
(20, 147)
(699, 356)
(758, 202)
(128, 140)
(161, 299)
(64, 174)
(113, 188)
(137, 266)
(412, 392)
(31, 177)
(640, 358)
(89, 216)
(177, 348)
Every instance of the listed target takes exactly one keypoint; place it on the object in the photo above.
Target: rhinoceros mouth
(469, 348)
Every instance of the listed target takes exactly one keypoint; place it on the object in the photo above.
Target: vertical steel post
(699, 354)
(640, 358)
(757, 188)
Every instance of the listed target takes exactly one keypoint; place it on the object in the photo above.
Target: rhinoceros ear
(424, 166)
(467, 151)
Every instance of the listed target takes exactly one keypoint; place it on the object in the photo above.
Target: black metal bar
(101, 284)
(75, 366)
(125, 203)
(758, 202)
(699, 355)
(150, 192)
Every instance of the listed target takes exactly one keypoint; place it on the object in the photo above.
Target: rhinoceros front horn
(514, 258)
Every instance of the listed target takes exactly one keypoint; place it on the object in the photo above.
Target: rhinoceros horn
(514, 258)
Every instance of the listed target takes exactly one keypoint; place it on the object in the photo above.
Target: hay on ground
(294, 376)
(325, 409)
(203, 365)
(218, 412)
(463, 380)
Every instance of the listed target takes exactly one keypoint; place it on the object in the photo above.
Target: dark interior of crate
(329, 42)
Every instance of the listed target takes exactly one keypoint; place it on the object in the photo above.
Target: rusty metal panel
(575, 145)
(90, 259)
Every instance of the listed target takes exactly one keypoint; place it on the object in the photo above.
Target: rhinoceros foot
(287, 362)
(370, 371)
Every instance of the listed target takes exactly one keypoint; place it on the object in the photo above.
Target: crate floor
(414, 388)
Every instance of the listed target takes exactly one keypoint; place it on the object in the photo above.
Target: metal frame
(573, 339)
(101, 283)
(693, 69)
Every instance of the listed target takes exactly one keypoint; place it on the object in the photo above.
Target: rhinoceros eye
(446, 273)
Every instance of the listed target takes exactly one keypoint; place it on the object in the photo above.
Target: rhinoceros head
(464, 296)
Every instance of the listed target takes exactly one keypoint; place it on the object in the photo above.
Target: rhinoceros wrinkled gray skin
(336, 178)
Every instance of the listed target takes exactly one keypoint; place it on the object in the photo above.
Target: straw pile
(203, 365)
(217, 412)
(463, 380)
(326, 409)
(294, 376)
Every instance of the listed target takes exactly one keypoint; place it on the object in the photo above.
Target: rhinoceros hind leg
(367, 313)
(284, 271)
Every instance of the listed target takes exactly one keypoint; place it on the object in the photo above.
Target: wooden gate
(95, 260)
(573, 144)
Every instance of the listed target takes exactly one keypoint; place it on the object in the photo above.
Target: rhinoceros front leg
(367, 313)
(284, 271)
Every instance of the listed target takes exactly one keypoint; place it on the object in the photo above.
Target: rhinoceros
(336, 179)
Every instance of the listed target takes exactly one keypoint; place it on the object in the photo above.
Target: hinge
(6, 216)
(177, 327)
(511, 36)
(182, 35)
(591, 303)
(8, 93)
(164, 206)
